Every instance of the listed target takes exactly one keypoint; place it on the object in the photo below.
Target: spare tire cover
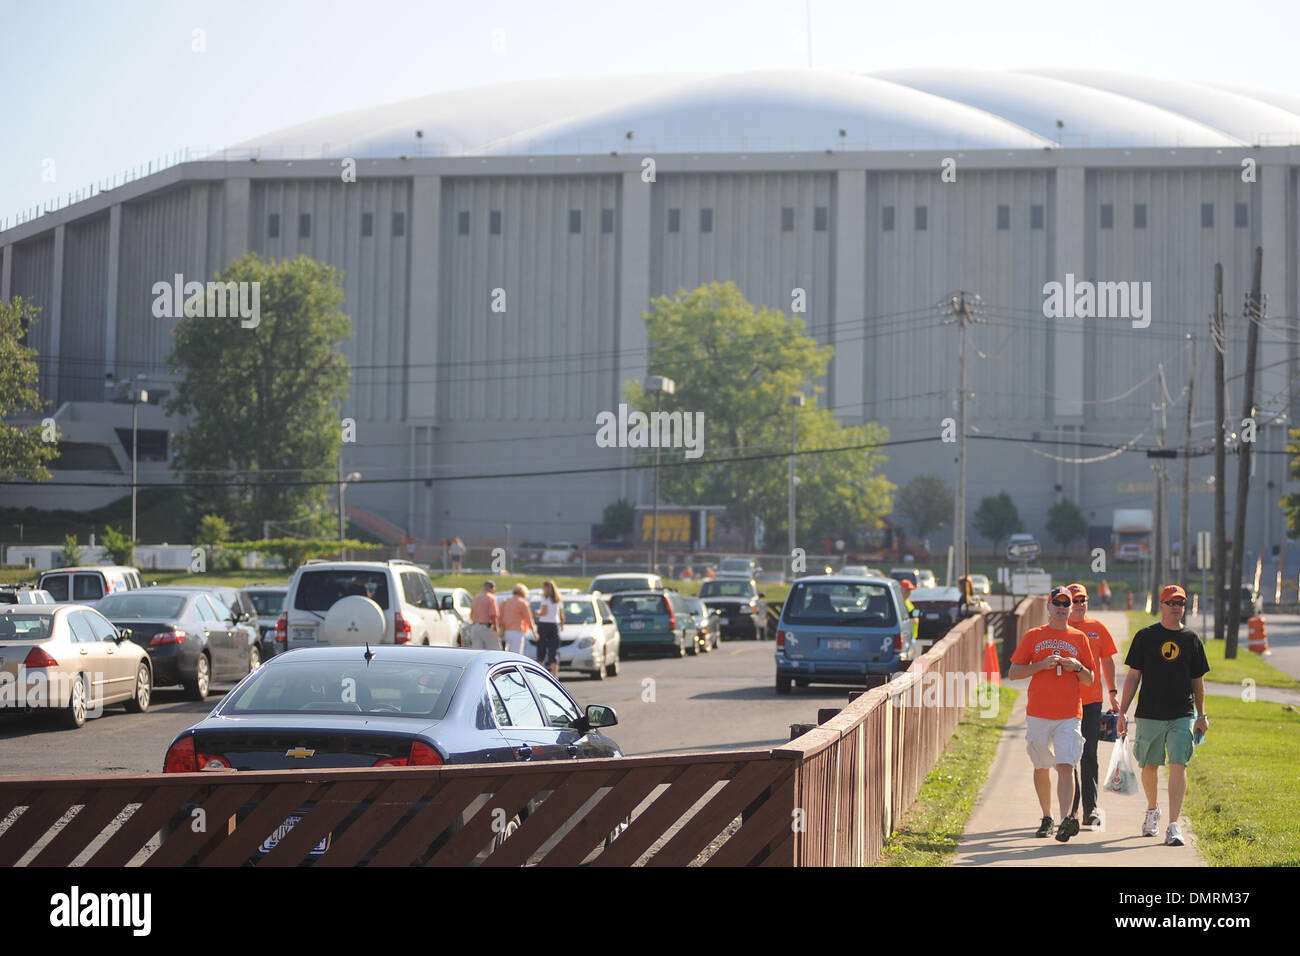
(355, 620)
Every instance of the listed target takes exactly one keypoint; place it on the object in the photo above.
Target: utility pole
(1185, 526)
(962, 304)
(1159, 570)
(796, 403)
(1254, 314)
(1220, 466)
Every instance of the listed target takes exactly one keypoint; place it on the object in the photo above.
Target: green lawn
(1222, 671)
(928, 833)
(1243, 797)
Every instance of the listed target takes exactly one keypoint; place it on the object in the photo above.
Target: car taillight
(899, 638)
(672, 618)
(184, 757)
(421, 755)
(780, 640)
(174, 636)
(37, 657)
(282, 628)
(108, 587)
(401, 629)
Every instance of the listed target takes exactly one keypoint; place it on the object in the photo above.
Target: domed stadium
(879, 195)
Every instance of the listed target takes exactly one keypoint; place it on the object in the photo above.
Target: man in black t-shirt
(1168, 662)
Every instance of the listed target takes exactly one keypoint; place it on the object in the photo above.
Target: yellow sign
(673, 528)
(1169, 650)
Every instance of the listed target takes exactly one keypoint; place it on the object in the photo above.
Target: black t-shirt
(1169, 662)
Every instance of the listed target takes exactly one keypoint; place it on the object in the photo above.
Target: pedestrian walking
(485, 619)
(517, 619)
(1091, 697)
(550, 618)
(1166, 661)
(1104, 591)
(457, 551)
(1058, 658)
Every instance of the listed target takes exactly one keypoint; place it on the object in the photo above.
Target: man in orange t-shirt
(1059, 659)
(1103, 651)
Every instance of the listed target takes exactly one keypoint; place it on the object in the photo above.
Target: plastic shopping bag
(1121, 775)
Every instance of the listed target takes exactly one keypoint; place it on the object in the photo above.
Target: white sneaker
(1173, 835)
(1151, 825)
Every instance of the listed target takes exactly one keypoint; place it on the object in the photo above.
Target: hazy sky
(99, 87)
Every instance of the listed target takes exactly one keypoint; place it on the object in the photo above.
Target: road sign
(1027, 582)
(1203, 548)
(1024, 549)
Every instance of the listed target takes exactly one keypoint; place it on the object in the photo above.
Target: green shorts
(1154, 736)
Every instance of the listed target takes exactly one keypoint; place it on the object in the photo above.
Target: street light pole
(796, 402)
(660, 385)
(140, 395)
(343, 483)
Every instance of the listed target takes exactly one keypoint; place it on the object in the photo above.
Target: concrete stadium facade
(878, 196)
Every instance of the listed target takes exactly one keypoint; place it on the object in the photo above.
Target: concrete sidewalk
(1001, 829)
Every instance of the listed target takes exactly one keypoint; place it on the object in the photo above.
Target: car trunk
(288, 749)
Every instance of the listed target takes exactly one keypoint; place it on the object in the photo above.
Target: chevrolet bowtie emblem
(300, 752)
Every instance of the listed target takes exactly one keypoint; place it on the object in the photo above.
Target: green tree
(213, 534)
(1290, 504)
(119, 546)
(997, 518)
(72, 553)
(926, 502)
(738, 366)
(1065, 522)
(264, 400)
(23, 450)
(618, 519)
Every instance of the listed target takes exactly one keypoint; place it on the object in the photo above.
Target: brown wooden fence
(828, 798)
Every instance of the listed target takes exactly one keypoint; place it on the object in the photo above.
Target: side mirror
(447, 603)
(761, 594)
(598, 715)
(916, 612)
(124, 635)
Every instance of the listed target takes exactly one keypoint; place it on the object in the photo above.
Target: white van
(86, 585)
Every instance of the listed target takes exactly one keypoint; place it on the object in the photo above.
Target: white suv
(350, 602)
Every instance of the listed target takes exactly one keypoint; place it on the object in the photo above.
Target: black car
(405, 706)
(740, 607)
(268, 602)
(191, 637)
(708, 633)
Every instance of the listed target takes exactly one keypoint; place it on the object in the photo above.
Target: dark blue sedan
(404, 706)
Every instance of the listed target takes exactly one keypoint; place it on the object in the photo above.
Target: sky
(94, 88)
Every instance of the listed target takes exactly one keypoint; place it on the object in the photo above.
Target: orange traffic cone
(992, 671)
(1258, 641)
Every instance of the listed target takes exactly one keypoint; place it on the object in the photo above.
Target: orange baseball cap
(1172, 591)
(1078, 589)
(907, 585)
(1059, 591)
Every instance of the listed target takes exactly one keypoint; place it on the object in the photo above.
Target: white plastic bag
(1121, 775)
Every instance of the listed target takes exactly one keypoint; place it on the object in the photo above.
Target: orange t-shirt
(1103, 645)
(1052, 697)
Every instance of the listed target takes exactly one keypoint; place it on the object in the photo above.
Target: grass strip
(1243, 795)
(929, 831)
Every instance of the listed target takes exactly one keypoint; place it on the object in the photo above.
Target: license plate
(282, 831)
(932, 616)
(304, 635)
(636, 625)
(724, 620)
(835, 644)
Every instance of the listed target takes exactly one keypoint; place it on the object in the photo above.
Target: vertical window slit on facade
(273, 225)
(787, 218)
(607, 220)
(304, 225)
(887, 218)
(462, 223)
(922, 218)
(494, 222)
(1036, 216)
(821, 216)
(367, 224)
(575, 220)
(1139, 215)
(399, 224)
(706, 220)
(674, 220)
(1004, 217)
(1107, 216)
(1207, 215)
(1240, 216)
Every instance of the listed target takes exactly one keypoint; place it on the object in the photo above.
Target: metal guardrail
(828, 798)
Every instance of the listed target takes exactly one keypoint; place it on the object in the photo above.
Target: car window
(141, 605)
(624, 605)
(57, 585)
(497, 706)
(319, 590)
(411, 589)
(266, 602)
(87, 587)
(102, 629)
(25, 627)
(516, 698)
(726, 589)
(837, 603)
(207, 613)
(394, 688)
(559, 710)
(82, 633)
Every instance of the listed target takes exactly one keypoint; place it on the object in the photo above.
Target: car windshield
(321, 590)
(267, 602)
(397, 688)
(25, 627)
(139, 606)
(623, 606)
(726, 589)
(934, 594)
(612, 585)
(575, 612)
(834, 603)
(734, 564)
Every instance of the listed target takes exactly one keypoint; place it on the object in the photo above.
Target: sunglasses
(1175, 603)
(1080, 600)
(1061, 603)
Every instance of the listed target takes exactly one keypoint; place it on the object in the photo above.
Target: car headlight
(586, 641)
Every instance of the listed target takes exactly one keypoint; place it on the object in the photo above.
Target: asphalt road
(721, 700)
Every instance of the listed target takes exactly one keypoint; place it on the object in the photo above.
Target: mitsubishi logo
(352, 627)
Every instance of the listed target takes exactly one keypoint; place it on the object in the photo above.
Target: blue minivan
(837, 629)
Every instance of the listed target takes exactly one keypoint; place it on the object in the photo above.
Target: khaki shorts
(1052, 742)
(1155, 736)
